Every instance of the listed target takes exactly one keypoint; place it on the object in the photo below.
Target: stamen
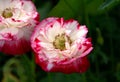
(7, 13)
(59, 42)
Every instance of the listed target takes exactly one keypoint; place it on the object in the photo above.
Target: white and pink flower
(17, 21)
(61, 46)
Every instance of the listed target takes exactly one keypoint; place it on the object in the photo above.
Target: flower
(61, 45)
(17, 21)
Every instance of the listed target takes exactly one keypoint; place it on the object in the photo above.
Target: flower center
(59, 42)
(7, 13)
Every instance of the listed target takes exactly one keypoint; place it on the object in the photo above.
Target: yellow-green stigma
(7, 13)
(59, 42)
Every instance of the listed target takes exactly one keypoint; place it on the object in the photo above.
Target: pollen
(59, 42)
(7, 13)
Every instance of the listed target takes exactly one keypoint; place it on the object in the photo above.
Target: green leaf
(67, 9)
(92, 6)
(109, 4)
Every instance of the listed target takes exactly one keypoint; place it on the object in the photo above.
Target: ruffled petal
(15, 47)
(79, 65)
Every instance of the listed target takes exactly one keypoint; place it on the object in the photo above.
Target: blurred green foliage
(102, 17)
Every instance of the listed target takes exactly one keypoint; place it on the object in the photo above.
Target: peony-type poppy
(17, 21)
(61, 45)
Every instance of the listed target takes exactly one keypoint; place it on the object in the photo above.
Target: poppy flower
(61, 45)
(17, 21)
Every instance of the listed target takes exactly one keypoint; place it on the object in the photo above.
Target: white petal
(13, 31)
(28, 6)
(2, 25)
(78, 33)
(74, 50)
(47, 46)
(86, 52)
(67, 45)
(42, 38)
(49, 66)
(70, 27)
(51, 54)
(8, 33)
(70, 52)
(55, 30)
(25, 32)
(4, 4)
(1, 43)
